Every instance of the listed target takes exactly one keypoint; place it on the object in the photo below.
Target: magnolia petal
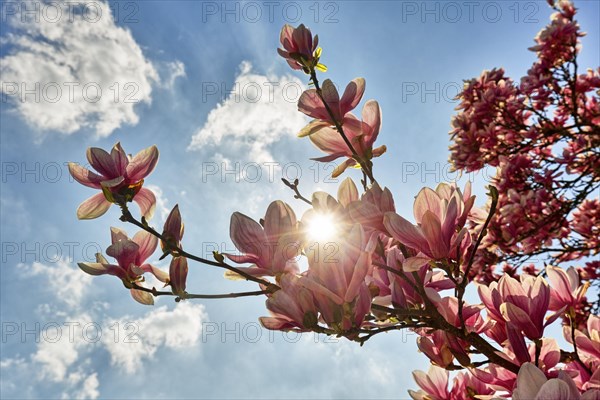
(521, 319)
(247, 235)
(157, 272)
(371, 116)
(427, 200)
(317, 288)
(347, 192)
(561, 284)
(329, 158)
(111, 183)
(142, 164)
(405, 232)
(352, 95)
(378, 151)
(540, 299)
(517, 343)
(418, 395)
(358, 277)
(173, 227)
(147, 201)
(313, 127)
(178, 271)
(125, 252)
(93, 207)
(329, 141)
(242, 258)
(529, 382)
(254, 271)
(413, 264)
(117, 234)
(332, 98)
(102, 162)
(365, 213)
(142, 297)
(432, 229)
(342, 167)
(94, 268)
(277, 323)
(449, 224)
(279, 220)
(147, 243)
(85, 176)
(285, 36)
(512, 291)
(120, 158)
(311, 105)
(555, 389)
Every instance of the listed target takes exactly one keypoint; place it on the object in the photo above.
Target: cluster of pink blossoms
(542, 135)
(351, 266)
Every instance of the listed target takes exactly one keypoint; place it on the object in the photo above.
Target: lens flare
(322, 227)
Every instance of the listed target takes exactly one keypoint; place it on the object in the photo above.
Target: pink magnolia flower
(525, 303)
(131, 256)
(178, 271)
(371, 208)
(402, 293)
(474, 322)
(466, 386)
(337, 279)
(435, 347)
(335, 210)
(440, 217)
(300, 49)
(311, 104)
(566, 292)
(434, 384)
(292, 307)
(119, 176)
(588, 341)
(495, 376)
(557, 43)
(272, 246)
(172, 230)
(361, 134)
(532, 383)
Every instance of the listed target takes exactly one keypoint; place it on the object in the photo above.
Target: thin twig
(294, 187)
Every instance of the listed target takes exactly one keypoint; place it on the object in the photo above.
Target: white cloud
(259, 111)
(76, 330)
(83, 69)
(60, 349)
(88, 390)
(176, 329)
(67, 282)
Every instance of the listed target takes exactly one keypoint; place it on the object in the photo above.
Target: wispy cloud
(258, 112)
(61, 362)
(176, 329)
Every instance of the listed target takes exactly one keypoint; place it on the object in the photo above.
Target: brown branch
(127, 217)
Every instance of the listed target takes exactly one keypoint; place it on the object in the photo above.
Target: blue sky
(184, 75)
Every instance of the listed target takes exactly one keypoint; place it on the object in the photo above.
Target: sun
(322, 227)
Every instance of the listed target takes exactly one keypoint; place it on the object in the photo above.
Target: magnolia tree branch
(575, 352)
(365, 164)
(185, 296)
(127, 217)
(294, 187)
